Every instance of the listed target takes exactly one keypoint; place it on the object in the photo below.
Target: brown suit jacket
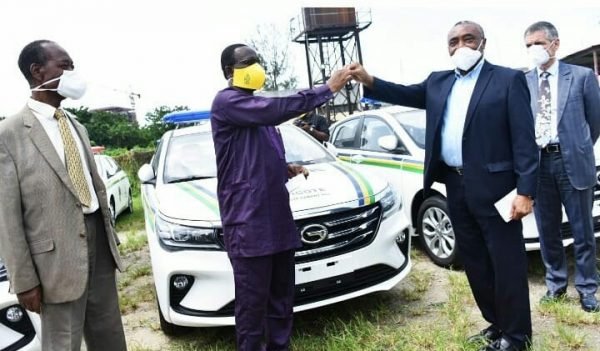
(42, 229)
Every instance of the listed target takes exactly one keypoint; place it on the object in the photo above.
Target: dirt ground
(143, 330)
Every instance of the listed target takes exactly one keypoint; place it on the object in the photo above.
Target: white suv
(391, 142)
(355, 238)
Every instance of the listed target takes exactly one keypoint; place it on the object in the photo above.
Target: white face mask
(70, 85)
(465, 58)
(538, 55)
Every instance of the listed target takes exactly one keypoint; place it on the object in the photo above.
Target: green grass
(132, 273)
(568, 311)
(131, 222)
(132, 242)
(398, 320)
(131, 299)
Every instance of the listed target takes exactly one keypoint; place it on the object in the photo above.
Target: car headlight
(181, 236)
(390, 202)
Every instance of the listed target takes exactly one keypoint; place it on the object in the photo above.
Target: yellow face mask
(252, 77)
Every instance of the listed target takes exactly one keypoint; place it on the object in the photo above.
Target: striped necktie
(73, 160)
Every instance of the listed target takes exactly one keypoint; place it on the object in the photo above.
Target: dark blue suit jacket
(499, 149)
(578, 112)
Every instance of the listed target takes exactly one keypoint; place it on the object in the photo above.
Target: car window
(346, 133)
(301, 148)
(113, 163)
(110, 167)
(373, 129)
(156, 157)
(413, 123)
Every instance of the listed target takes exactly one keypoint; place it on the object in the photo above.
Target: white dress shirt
(45, 114)
(553, 81)
(455, 115)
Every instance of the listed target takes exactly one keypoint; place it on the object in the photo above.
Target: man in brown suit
(56, 236)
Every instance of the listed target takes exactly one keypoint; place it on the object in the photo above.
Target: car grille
(3, 273)
(318, 290)
(345, 231)
(597, 186)
(566, 232)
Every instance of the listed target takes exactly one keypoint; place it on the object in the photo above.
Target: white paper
(295, 183)
(504, 205)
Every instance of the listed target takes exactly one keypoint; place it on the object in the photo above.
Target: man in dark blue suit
(566, 105)
(480, 142)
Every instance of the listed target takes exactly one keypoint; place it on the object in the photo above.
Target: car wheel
(130, 203)
(113, 212)
(435, 232)
(168, 328)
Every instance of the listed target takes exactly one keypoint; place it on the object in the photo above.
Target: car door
(370, 156)
(118, 182)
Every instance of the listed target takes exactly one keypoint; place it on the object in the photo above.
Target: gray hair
(479, 28)
(546, 27)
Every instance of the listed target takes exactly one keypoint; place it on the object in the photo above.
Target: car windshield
(192, 156)
(413, 123)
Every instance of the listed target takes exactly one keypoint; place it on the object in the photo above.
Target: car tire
(130, 203)
(113, 212)
(170, 329)
(435, 232)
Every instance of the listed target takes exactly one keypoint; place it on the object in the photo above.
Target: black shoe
(589, 303)
(503, 344)
(552, 296)
(487, 335)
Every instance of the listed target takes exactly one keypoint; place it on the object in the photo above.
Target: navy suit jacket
(578, 113)
(498, 145)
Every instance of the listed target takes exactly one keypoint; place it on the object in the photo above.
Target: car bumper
(531, 236)
(209, 301)
(22, 335)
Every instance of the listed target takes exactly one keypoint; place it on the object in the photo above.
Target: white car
(355, 238)
(19, 328)
(391, 141)
(118, 189)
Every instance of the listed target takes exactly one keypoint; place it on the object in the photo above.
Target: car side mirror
(146, 174)
(331, 148)
(388, 142)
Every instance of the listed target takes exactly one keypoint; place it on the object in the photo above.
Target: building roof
(584, 57)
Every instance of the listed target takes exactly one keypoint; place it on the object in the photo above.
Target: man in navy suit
(480, 142)
(566, 105)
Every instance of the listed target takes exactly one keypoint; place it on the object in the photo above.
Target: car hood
(328, 186)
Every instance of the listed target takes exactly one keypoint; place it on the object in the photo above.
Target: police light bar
(180, 117)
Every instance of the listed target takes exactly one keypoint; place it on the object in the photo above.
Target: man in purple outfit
(260, 233)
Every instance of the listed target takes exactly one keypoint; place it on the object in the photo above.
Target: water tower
(331, 40)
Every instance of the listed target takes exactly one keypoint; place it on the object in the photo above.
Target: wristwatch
(312, 128)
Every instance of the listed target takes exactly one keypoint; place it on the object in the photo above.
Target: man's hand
(360, 75)
(294, 169)
(31, 299)
(522, 206)
(338, 79)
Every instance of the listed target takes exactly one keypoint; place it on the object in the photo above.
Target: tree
(271, 44)
(155, 127)
(108, 129)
